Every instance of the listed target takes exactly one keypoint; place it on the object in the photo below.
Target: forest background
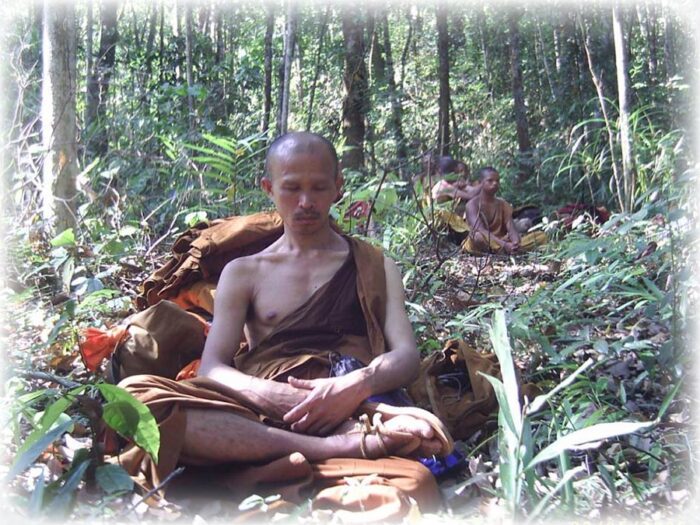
(125, 123)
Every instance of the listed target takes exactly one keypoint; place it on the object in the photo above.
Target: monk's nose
(305, 201)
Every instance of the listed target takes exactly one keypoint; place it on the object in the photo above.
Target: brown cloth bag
(450, 386)
(202, 252)
(161, 340)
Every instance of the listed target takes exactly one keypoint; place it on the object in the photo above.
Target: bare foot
(402, 435)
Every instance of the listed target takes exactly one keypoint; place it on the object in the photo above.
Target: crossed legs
(215, 436)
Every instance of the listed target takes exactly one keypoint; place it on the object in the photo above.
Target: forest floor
(657, 486)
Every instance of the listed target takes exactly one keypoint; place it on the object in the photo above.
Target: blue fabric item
(440, 467)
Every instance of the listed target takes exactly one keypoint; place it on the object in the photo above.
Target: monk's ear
(266, 185)
(339, 185)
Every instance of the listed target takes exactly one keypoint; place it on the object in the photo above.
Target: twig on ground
(45, 376)
(150, 493)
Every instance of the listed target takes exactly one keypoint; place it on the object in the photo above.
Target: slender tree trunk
(599, 86)
(443, 43)
(396, 113)
(289, 40)
(161, 44)
(669, 45)
(406, 49)
(547, 68)
(485, 51)
(188, 66)
(624, 98)
(355, 83)
(521, 125)
(267, 88)
(97, 94)
(219, 58)
(317, 69)
(58, 123)
(150, 43)
(89, 59)
(376, 53)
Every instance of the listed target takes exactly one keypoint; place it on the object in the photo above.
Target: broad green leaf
(588, 436)
(113, 478)
(122, 416)
(65, 238)
(146, 433)
(29, 456)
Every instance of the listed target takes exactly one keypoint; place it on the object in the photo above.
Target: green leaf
(65, 238)
(63, 498)
(113, 478)
(145, 433)
(502, 399)
(50, 416)
(499, 339)
(29, 456)
(121, 416)
(588, 438)
(37, 499)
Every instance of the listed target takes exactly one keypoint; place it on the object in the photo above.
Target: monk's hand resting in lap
(280, 398)
(329, 402)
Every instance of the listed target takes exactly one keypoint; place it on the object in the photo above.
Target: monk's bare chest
(284, 286)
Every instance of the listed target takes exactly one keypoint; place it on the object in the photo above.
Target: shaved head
(300, 142)
(485, 172)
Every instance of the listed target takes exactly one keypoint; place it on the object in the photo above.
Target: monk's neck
(488, 199)
(325, 239)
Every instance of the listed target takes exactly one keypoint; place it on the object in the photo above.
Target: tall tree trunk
(89, 59)
(317, 69)
(59, 129)
(219, 58)
(376, 53)
(525, 161)
(443, 48)
(98, 86)
(355, 83)
(150, 42)
(267, 88)
(188, 66)
(406, 49)
(396, 116)
(624, 98)
(485, 51)
(596, 74)
(161, 44)
(289, 40)
(547, 68)
(669, 45)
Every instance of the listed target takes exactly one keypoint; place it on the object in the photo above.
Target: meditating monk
(490, 221)
(323, 319)
(453, 185)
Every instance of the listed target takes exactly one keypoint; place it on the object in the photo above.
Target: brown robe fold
(345, 316)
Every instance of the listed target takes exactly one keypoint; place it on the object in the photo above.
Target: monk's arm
(443, 191)
(233, 297)
(513, 233)
(399, 365)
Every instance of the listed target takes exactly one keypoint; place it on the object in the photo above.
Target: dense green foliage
(608, 306)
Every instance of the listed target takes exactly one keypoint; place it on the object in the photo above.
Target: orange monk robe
(345, 316)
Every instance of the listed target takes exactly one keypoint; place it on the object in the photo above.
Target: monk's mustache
(304, 216)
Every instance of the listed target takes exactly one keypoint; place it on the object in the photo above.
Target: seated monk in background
(459, 190)
(490, 221)
(311, 301)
